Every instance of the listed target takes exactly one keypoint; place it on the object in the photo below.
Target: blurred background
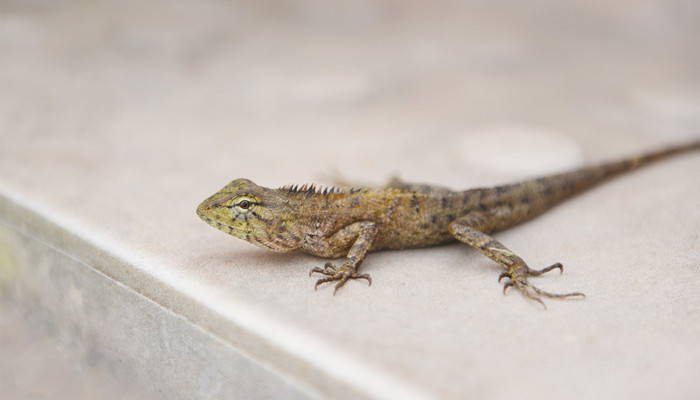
(296, 91)
(309, 85)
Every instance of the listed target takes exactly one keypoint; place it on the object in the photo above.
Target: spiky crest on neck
(311, 189)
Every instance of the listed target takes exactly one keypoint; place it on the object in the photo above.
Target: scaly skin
(333, 223)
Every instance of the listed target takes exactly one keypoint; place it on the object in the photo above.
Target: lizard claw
(538, 272)
(517, 277)
(342, 275)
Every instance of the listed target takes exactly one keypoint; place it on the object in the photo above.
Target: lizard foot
(517, 277)
(342, 275)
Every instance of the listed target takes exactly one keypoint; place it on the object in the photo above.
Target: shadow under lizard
(337, 222)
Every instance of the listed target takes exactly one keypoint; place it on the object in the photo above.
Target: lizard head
(252, 213)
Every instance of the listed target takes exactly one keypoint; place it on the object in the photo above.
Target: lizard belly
(411, 238)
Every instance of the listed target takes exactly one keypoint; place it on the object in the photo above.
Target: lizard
(335, 222)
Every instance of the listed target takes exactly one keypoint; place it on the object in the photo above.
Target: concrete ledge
(64, 282)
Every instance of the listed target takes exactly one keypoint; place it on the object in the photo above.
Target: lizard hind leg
(470, 230)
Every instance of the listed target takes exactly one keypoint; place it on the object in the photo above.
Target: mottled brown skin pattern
(349, 223)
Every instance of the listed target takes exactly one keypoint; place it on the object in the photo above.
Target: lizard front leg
(473, 230)
(361, 235)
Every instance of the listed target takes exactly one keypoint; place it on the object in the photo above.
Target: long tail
(543, 193)
(569, 183)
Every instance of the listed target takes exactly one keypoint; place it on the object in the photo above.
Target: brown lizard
(335, 222)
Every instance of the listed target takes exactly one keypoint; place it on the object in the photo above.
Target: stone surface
(118, 118)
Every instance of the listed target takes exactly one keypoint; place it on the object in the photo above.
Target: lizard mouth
(213, 222)
(203, 212)
(208, 212)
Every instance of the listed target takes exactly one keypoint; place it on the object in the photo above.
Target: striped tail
(543, 193)
(569, 183)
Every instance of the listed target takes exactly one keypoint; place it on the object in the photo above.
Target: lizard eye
(243, 205)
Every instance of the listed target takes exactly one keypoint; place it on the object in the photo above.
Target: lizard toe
(324, 280)
(507, 285)
(347, 276)
(518, 278)
(328, 269)
(340, 275)
(538, 272)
